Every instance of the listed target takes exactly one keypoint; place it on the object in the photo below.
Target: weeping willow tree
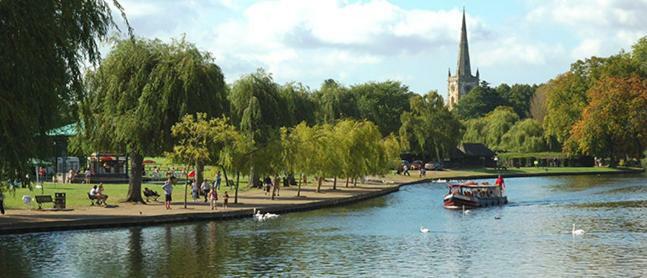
(429, 128)
(257, 108)
(140, 91)
(43, 46)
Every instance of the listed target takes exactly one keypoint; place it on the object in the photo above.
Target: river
(375, 238)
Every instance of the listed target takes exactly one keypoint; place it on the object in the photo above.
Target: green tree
(525, 136)
(566, 98)
(335, 103)
(200, 141)
(142, 89)
(259, 111)
(478, 102)
(44, 47)
(429, 128)
(299, 103)
(491, 128)
(382, 103)
(518, 97)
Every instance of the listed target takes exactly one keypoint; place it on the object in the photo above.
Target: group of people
(209, 191)
(97, 193)
(272, 187)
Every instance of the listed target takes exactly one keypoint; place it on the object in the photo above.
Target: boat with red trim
(474, 195)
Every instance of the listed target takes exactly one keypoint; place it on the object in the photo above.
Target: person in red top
(499, 182)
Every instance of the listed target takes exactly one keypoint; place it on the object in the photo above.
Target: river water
(376, 238)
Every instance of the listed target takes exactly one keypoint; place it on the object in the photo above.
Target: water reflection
(375, 238)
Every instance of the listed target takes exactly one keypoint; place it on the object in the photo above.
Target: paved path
(128, 214)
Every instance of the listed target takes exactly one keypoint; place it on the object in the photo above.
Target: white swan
(258, 216)
(466, 211)
(577, 232)
(424, 230)
(270, 216)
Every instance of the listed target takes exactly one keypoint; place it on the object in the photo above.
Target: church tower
(460, 84)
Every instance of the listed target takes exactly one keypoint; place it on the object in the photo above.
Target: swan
(424, 230)
(466, 211)
(497, 217)
(270, 216)
(258, 216)
(577, 232)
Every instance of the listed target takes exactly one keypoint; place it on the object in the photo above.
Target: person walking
(168, 191)
(213, 196)
(225, 200)
(276, 186)
(217, 181)
(1, 202)
(405, 170)
(205, 189)
(195, 190)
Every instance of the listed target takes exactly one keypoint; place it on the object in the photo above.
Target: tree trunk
(299, 186)
(236, 193)
(186, 189)
(347, 181)
(224, 171)
(334, 183)
(135, 179)
(354, 182)
(199, 173)
(319, 184)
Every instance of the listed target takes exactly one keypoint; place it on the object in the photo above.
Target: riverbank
(127, 214)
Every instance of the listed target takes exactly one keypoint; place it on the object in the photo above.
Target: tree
(257, 108)
(478, 102)
(429, 128)
(382, 103)
(538, 108)
(566, 98)
(491, 128)
(45, 45)
(142, 89)
(518, 97)
(200, 141)
(335, 102)
(299, 104)
(525, 136)
(613, 124)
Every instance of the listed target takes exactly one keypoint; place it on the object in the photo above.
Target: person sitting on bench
(95, 195)
(150, 194)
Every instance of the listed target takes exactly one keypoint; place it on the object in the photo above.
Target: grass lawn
(77, 194)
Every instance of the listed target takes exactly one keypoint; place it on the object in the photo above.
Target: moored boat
(474, 195)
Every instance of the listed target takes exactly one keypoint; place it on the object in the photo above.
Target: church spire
(463, 53)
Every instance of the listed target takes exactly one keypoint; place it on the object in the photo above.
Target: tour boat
(474, 195)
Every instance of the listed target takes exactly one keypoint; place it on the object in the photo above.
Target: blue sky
(415, 42)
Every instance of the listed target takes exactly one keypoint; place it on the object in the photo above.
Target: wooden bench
(40, 199)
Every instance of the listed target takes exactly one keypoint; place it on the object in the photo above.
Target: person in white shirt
(168, 191)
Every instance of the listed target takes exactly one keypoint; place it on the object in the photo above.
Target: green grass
(539, 155)
(77, 194)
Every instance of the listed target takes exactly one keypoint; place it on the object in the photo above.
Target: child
(213, 196)
(225, 200)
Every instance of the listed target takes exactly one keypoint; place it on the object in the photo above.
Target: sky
(414, 42)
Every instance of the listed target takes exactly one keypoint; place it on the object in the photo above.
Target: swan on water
(424, 230)
(465, 211)
(270, 216)
(577, 232)
(258, 216)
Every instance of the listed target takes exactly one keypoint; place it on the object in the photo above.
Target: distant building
(460, 84)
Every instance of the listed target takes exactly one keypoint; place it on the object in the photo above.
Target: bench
(40, 199)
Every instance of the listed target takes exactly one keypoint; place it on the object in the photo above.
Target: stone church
(460, 84)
